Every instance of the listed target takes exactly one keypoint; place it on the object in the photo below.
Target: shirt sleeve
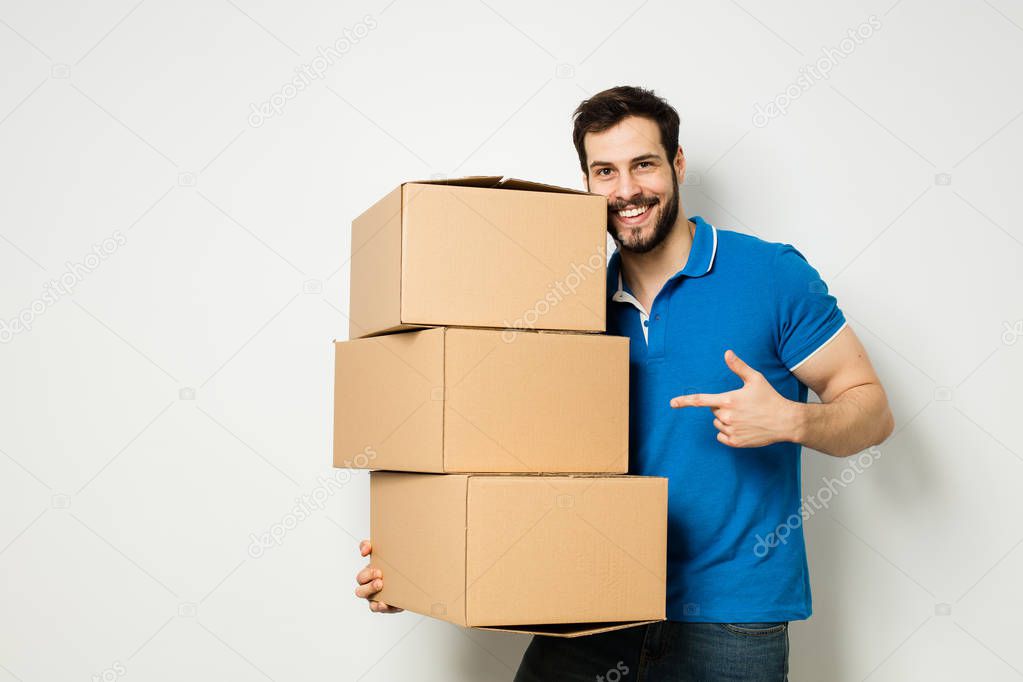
(807, 316)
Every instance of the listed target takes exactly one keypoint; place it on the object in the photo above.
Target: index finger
(700, 400)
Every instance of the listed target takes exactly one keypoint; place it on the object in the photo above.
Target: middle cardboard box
(468, 400)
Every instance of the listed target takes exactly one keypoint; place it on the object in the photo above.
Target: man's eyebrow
(644, 157)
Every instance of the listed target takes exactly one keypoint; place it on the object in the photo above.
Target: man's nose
(627, 190)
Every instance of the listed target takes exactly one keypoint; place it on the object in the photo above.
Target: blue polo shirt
(765, 302)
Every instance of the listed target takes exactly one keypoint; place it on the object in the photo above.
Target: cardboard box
(479, 252)
(481, 400)
(558, 555)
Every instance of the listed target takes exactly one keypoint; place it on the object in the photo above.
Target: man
(727, 334)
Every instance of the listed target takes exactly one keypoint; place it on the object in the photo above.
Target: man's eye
(643, 164)
(601, 171)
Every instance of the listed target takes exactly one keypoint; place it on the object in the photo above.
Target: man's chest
(686, 339)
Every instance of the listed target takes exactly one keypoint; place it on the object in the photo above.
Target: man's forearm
(852, 422)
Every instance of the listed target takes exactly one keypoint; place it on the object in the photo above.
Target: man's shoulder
(764, 265)
(749, 243)
(745, 251)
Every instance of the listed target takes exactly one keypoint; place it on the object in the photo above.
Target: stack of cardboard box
(479, 388)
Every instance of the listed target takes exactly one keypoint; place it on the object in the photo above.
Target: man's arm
(853, 413)
(852, 416)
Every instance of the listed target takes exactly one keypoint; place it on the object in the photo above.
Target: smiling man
(727, 334)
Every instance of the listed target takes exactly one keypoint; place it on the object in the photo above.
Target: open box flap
(500, 182)
(567, 629)
(404, 327)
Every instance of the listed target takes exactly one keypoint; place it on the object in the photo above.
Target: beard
(630, 239)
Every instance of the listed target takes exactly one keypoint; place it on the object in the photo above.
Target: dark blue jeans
(668, 650)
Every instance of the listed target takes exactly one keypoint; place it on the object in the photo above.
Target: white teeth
(633, 212)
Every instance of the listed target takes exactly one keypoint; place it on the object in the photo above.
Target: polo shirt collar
(699, 263)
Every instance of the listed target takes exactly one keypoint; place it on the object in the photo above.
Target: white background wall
(180, 400)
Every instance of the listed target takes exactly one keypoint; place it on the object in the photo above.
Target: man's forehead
(632, 137)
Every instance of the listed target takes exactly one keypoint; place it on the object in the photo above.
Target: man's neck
(646, 273)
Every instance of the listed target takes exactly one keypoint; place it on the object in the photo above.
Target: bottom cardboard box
(560, 555)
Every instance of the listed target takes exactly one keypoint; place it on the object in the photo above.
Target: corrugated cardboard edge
(569, 629)
(465, 554)
(444, 390)
(398, 328)
(501, 182)
(464, 181)
(465, 559)
(404, 194)
(415, 326)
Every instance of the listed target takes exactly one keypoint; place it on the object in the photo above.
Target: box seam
(465, 558)
(444, 400)
(401, 254)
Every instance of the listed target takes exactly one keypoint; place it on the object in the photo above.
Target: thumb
(744, 371)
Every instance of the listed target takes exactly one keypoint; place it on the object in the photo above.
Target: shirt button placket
(655, 339)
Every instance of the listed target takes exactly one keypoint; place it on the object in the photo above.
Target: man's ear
(680, 164)
(586, 181)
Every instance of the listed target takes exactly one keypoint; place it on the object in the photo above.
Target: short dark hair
(606, 109)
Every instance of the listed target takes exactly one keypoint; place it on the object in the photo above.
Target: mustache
(638, 203)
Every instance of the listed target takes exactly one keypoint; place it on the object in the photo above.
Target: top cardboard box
(480, 251)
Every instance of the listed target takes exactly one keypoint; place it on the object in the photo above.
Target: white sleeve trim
(713, 251)
(830, 338)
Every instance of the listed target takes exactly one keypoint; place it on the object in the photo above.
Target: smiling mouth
(633, 214)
